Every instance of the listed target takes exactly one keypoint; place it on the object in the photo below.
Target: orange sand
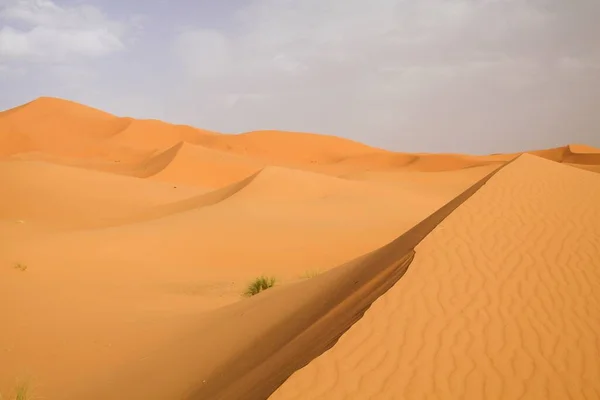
(136, 238)
(501, 302)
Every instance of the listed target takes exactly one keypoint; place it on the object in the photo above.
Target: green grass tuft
(259, 284)
(22, 391)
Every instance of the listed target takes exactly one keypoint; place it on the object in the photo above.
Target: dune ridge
(203, 200)
(289, 327)
(498, 307)
(322, 331)
(46, 125)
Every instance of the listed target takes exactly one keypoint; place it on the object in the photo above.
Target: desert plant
(21, 267)
(259, 284)
(311, 273)
(22, 392)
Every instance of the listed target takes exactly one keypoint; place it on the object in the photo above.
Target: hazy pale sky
(475, 76)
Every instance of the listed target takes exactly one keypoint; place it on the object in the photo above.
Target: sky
(466, 76)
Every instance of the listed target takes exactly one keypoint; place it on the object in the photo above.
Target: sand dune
(60, 127)
(285, 184)
(289, 148)
(582, 148)
(66, 197)
(439, 162)
(281, 330)
(156, 135)
(501, 301)
(197, 165)
(134, 240)
(592, 168)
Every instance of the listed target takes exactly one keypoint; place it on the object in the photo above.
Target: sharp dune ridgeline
(126, 247)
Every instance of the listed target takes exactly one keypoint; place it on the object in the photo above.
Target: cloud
(414, 75)
(422, 75)
(203, 53)
(42, 31)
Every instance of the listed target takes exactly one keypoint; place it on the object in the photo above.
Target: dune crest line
(316, 327)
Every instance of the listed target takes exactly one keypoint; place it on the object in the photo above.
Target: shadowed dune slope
(116, 160)
(582, 158)
(157, 135)
(200, 166)
(436, 163)
(248, 349)
(577, 148)
(286, 184)
(501, 302)
(203, 200)
(592, 168)
(67, 197)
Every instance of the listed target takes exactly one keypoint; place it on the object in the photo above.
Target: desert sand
(126, 246)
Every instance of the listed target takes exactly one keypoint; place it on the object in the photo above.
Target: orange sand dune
(125, 246)
(582, 158)
(164, 269)
(289, 148)
(280, 184)
(432, 184)
(582, 148)
(57, 126)
(157, 135)
(593, 168)
(199, 166)
(71, 132)
(443, 162)
(56, 196)
(501, 301)
(415, 162)
(570, 154)
(246, 350)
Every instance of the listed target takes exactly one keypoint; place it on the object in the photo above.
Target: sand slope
(66, 197)
(501, 302)
(139, 236)
(105, 296)
(247, 349)
(200, 166)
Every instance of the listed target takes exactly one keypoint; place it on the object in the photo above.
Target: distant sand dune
(592, 168)
(288, 148)
(60, 127)
(442, 162)
(501, 302)
(582, 148)
(157, 135)
(582, 158)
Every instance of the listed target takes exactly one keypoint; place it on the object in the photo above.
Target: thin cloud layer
(429, 75)
(444, 74)
(43, 31)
